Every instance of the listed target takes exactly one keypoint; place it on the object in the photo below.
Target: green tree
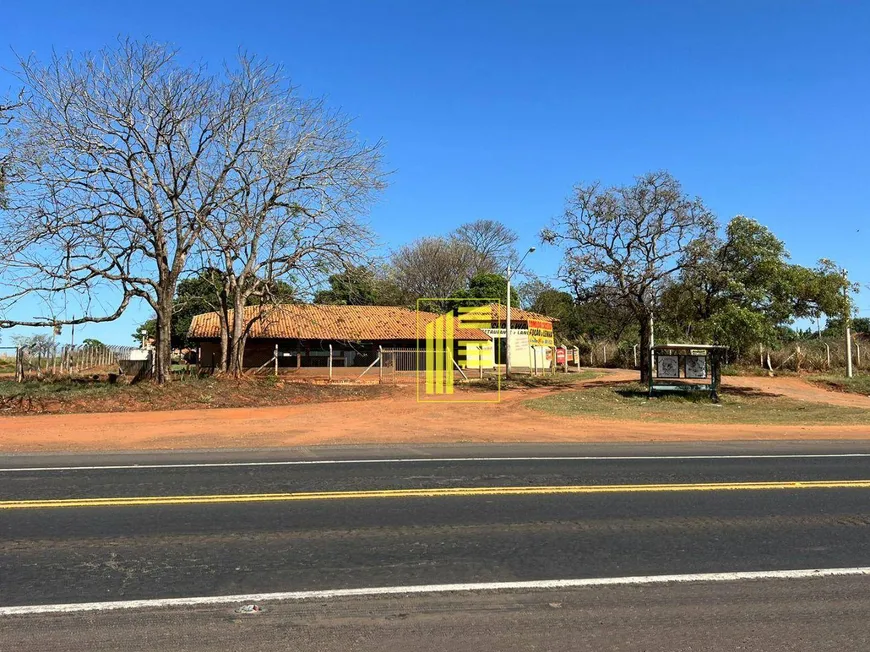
(743, 290)
(834, 326)
(355, 286)
(486, 285)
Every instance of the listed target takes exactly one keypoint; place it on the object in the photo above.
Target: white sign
(696, 366)
(502, 332)
(668, 366)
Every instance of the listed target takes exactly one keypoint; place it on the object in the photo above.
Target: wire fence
(51, 360)
(811, 355)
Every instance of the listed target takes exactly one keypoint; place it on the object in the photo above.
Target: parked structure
(532, 339)
(302, 335)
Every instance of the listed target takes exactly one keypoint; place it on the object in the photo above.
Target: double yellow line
(140, 501)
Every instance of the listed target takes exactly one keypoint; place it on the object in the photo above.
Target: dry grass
(629, 401)
(857, 385)
(65, 396)
(518, 381)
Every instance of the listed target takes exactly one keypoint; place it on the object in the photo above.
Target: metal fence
(59, 360)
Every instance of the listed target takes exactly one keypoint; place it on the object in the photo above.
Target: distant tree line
(128, 174)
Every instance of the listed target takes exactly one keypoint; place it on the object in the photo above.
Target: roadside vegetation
(528, 382)
(629, 402)
(73, 396)
(856, 385)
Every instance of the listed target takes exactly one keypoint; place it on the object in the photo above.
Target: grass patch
(48, 388)
(72, 396)
(491, 384)
(629, 402)
(856, 385)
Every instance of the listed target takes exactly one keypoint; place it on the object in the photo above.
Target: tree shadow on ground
(638, 391)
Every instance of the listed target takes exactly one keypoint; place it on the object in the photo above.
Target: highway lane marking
(432, 588)
(444, 492)
(441, 460)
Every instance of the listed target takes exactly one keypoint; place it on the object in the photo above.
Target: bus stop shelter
(686, 368)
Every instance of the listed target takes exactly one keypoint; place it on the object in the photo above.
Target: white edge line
(430, 588)
(415, 460)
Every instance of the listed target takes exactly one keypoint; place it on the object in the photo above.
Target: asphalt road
(782, 616)
(108, 552)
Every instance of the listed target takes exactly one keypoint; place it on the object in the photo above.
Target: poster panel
(696, 366)
(668, 366)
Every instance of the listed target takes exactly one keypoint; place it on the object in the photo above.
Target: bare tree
(627, 241)
(124, 156)
(432, 268)
(7, 112)
(290, 208)
(492, 243)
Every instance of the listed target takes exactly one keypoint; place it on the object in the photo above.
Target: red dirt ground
(397, 419)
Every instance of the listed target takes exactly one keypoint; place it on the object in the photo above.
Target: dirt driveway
(394, 420)
(798, 389)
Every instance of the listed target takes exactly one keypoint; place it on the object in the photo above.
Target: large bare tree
(493, 245)
(432, 268)
(291, 207)
(123, 158)
(625, 242)
(439, 267)
(7, 112)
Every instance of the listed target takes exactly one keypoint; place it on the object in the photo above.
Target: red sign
(560, 355)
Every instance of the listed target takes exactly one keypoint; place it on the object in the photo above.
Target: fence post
(381, 364)
(276, 358)
(828, 351)
(480, 358)
(330, 361)
(605, 354)
(19, 365)
(634, 349)
(761, 354)
(858, 351)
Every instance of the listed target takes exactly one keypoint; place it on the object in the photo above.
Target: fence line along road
(54, 360)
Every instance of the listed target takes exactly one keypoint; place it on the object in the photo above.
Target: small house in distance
(532, 338)
(301, 334)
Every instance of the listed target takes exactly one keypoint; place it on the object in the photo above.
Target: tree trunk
(163, 344)
(646, 342)
(225, 344)
(237, 339)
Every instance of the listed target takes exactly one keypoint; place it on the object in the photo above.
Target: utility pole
(507, 331)
(848, 322)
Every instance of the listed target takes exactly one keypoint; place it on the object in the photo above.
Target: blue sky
(495, 109)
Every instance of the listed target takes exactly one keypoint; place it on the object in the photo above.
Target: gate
(399, 363)
(404, 364)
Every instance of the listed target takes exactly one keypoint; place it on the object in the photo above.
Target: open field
(737, 406)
